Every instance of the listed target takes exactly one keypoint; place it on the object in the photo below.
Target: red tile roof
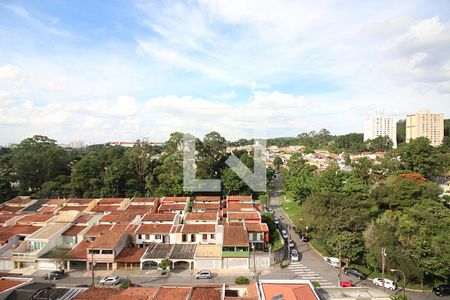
(206, 293)
(80, 250)
(48, 209)
(5, 218)
(244, 216)
(206, 206)
(6, 284)
(11, 231)
(235, 236)
(236, 206)
(201, 216)
(97, 230)
(108, 201)
(118, 217)
(289, 291)
(103, 208)
(154, 228)
(74, 230)
(55, 201)
(144, 200)
(11, 209)
(75, 207)
(158, 217)
(239, 198)
(80, 201)
(140, 291)
(207, 198)
(175, 199)
(172, 207)
(110, 238)
(130, 255)
(84, 218)
(20, 200)
(172, 293)
(34, 218)
(198, 228)
(97, 293)
(256, 227)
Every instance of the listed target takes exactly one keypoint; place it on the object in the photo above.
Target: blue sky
(121, 70)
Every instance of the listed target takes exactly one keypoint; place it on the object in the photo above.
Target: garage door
(28, 264)
(47, 265)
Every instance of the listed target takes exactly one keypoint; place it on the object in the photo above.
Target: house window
(213, 236)
(258, 236)
(140, 236)
(192, 237)
(158, 237)
(205, 237)
(107, 252)
(184, 238)
(250, 236)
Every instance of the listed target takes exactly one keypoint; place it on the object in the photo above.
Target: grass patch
(290, 207)
(278, 243)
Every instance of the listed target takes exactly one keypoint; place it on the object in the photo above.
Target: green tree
(37, 160)
(277, 162)
(380, 143)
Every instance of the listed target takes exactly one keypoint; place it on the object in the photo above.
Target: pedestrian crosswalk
(303, 272)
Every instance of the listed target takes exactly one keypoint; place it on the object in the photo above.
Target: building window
(107, 252)
(192, 237)
(213, 236)
(183, 238)
(158, 237)
(140, 236)
(205, 237)
(250, 236)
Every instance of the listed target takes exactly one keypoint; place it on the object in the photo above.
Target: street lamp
(404, 281)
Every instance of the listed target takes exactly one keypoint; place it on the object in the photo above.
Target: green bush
(242, 280)
(126, 284)
(316, 284)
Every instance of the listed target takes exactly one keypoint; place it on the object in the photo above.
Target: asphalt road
(311, 265)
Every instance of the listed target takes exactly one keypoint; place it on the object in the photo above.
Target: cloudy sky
(84, 70)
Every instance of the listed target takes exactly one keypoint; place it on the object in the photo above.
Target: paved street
(311, 265)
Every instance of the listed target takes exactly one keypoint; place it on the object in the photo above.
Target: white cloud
(12, 73)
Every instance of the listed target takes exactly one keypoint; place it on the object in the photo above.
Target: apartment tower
(425, 124)
(380, 125)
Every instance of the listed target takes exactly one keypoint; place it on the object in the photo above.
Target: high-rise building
(380, 125)
(425, 124)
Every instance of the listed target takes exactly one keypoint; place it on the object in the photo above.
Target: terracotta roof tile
(80, 250)
(172, 207)
(103, 208)
(158, 217)
(154, 228)
(7, 217)
(80, 201)
(48, 209)
(207, 198)
(97, 293)
(206, 206)
(6, 284)
(20, 200)
(84, 219)
(35, 218)
(172, 293)
(239, 198)
(235, 236)
(140, 291)
(110, 238)
(74, 230)
(109, 201)
(244, 216)
(97, 230)
(130, 255)
(11, 209)
(206, 293)
(56, 201)
(201, 216)
(144, 200)
(175, 199)
(75, 207)
(198, 228)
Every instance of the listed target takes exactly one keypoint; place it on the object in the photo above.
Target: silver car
(203, 274)
(110, 280)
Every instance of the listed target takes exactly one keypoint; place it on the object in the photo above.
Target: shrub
(242, 280)
(126, 284)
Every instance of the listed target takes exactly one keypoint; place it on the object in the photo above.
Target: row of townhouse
(111, 233)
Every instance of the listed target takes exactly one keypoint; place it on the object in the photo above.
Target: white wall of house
(235, 263)
(152, 238)
(211, 263)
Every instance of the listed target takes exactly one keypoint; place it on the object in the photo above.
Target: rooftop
(48, 231)
(201, 216)
(130, 255)
(56, 201)
(289, 289)
(35, 218)
(75, 207)
(8, 283)
(244, 215)
(208, 251)
(153, 228)
(10, 209)
(172, 293)
(96, 230)
(109, 238)
(239, 198)
(20, 200)
(140, 291)
(206, 293)
(74, 230)
(158, 217)
(198, 228)
(206, 206)
(103, 208)
(207, 198)
(144, 200)
(235, 236)
(109, 201)
(173, 207)
(97, 293)
(80, 201)
(175, 199)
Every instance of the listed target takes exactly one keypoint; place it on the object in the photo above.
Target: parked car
(54, 275)
(332, 261)
(354, 272)
(442, 290)
(284, 234)
(203, 274)
(110, 280)
(291, 244)
(305, 239)
(389, 284)
(294, 255)
(346, 284)
(277, 222)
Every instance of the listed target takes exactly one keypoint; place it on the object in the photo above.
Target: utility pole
(92, 268)
(340, 265)
(383, 264)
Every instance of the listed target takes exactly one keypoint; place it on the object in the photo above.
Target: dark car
(442, 290)
(54, 275)
(354, 272)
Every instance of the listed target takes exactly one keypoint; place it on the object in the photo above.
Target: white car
(389, 284)
(110, 280)
(203, 274)
(294, 255)
(332, 261)
(284, 234)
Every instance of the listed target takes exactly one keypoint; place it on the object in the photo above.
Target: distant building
(425, 124)
(380, 125)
